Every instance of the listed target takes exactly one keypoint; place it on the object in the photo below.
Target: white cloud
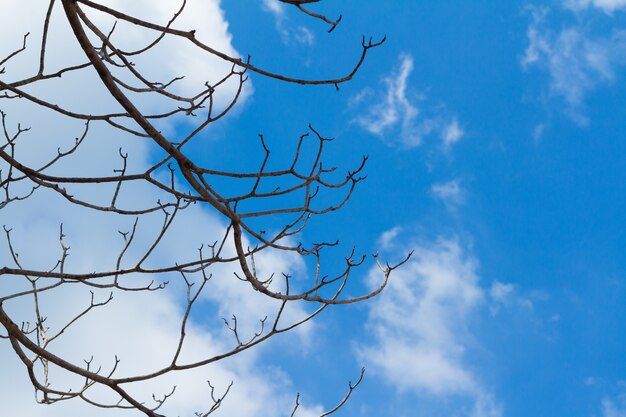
(288, 32)
(451, 193)
(140, 328)
(171, 58)
(576, 62)
(137, 320)
(396, 115)
(420, 326)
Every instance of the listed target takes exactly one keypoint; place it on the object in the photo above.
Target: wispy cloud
(576, 62)
(608, 6)
(451, 193)
(289, 33)
(396, 107)
(396, 116)
(451, 133)
(388, 237)
(507, 295)
(421, 325)
(614, 407)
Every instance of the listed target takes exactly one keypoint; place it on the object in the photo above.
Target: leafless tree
(183, 181)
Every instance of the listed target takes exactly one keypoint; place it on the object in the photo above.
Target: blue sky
(495, 134)
(523, 204)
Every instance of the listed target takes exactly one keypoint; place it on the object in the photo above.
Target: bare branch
(258, 210)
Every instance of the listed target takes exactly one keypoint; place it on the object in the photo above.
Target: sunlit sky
(494, 132)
